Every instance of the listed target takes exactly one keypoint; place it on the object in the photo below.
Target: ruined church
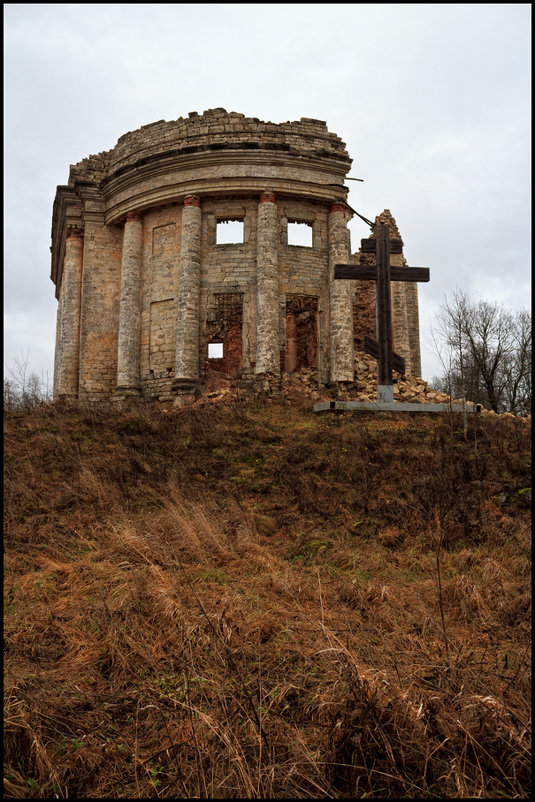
(207, 245)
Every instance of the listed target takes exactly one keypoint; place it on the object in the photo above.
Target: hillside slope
(250, 600)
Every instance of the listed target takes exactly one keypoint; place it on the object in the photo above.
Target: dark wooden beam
(409, 274)
(371, 347)
(365, 272)
(369, 273)
(383, 310)
(369, 245)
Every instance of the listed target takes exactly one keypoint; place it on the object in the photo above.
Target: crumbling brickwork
(144, 288)
(224, 326)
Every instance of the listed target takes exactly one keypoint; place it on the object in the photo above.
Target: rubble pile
(303, 387)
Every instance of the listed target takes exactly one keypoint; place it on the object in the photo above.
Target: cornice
(94, 205)
(67, 213)
(170, 178)
(212, 169)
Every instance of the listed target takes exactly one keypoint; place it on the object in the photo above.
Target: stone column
(128, 379)
(267, 287)
(57, 352)
(71, 286)
(189, 287)
(341, 292)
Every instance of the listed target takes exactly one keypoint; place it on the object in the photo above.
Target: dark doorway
(301, 333)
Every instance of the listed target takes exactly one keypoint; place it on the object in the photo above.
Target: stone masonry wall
(143, 286)
(227, 130)
(215, 129)
(229, 268)
(304, 271)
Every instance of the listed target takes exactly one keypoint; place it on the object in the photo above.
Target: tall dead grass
(158, 643)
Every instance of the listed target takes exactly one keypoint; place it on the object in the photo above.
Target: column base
(126, 398)
(128, 389)
(185, 392)
(124, 391)
(262, 383)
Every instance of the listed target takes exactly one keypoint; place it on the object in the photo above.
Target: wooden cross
(382, 273)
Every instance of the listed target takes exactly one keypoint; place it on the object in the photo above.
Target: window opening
(300, 234)
(229, 232)
(215, 350)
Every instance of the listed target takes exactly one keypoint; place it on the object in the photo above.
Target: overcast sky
(432, 101)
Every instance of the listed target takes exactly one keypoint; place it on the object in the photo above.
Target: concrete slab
(372, 406)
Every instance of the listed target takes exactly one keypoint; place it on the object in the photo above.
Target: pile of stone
(406, 388)
(303, 386)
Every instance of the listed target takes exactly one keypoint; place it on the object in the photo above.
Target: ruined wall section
(93, 169)
(413, 320)
(301, 333)
(364, 304)
(304, 271)
(222, 130)
(400, 333)
(228, 269)
(225, 328)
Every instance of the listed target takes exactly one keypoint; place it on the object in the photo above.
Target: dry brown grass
(245, 602)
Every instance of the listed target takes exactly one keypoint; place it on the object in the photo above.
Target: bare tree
(489, 353)
(518, 369)
(22, 388)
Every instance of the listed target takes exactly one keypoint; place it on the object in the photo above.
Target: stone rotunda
(207, 245)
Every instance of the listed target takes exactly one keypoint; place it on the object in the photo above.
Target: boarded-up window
(162, 345)
(164, 239)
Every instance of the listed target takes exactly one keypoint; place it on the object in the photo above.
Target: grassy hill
(248, 599)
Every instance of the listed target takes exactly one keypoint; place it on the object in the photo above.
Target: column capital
(338, 207)
(267, 197)
(132, 217)
(192, 200)
(75, 233)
